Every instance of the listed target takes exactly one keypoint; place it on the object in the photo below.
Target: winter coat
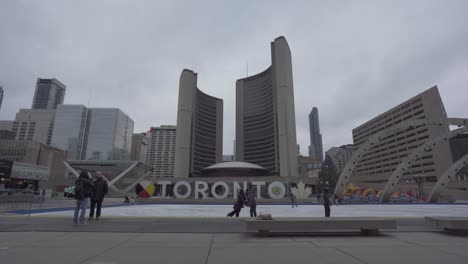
(251, 201)
(326, 200)
(240, 201)
(87, 186)
(99, 190)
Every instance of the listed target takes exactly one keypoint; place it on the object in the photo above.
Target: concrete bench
(367, 225)
(455, 225)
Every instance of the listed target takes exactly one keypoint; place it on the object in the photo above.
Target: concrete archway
(445, 178)
(347, 173)
(406, 163)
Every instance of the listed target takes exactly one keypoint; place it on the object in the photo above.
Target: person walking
(293, 199)
(238, 204)
(83, 189)
(100, 189)
(326, 203)
(252, 202)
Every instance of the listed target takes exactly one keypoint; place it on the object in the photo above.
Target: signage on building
(223, 190)
(29, 172)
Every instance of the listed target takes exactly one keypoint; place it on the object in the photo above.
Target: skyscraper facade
(340, 156)
(34, 124)
(383, 158)
(69, 130)
(139, 147)
(316, 147)
(199, 128)
(265, 117)
(1, 96)
(49, 93)
(108, 135)
(93, 133)
(161, 150)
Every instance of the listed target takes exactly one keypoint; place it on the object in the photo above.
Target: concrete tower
(265, 116)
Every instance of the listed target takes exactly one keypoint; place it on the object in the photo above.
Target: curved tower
(265, 116)
(199, 133)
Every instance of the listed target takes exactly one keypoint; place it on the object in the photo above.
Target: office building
(93, 134)
(139, 147)
(383, 158)
(161, 150)
(34, 124)
(69, 130)
(109, 134)
(49, 93)
(316, 147)
(265, 117)
(6, 125)
(35, 159)
(340, 156)
(199, 136)
(228, 157)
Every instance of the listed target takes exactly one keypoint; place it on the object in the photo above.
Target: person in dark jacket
(238, 205)
(251, 202)
(326, 203)
(83, 189)
(293, 199)
(100, 189)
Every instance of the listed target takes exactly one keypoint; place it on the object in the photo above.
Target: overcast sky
(351, 59)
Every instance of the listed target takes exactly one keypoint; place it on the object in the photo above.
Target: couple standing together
(248, 199)
(86, 190)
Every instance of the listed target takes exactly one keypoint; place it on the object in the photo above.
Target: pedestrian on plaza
(100, 189)
(43, 195)
(293, 199)
(326, 203)
(252, 202)
(83, 189)
(238, 205)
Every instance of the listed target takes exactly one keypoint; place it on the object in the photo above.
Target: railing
(13, 200)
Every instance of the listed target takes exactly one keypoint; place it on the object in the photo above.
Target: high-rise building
(199, 128)
(265, 117)
(34, 124)
(70, 129)
(108, 135)
(139, 147)
(316, 147)
(1, 96)
(161, 150)
(383, 158)
(94, 133)
(49, 93)
(6, 125)
(340, 156)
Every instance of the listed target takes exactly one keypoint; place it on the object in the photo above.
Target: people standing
(238, 204)
(252, 202)
(293, 199)
(100, 189)
(43, 195)
(83, 189)
(326, 203)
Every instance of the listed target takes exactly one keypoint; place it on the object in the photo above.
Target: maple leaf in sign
(301, 192)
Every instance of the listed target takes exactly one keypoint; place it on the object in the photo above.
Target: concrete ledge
(367, 225)
(455, 225)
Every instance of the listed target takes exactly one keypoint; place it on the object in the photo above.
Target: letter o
(276, 190)
(176, 190)
(220, 196)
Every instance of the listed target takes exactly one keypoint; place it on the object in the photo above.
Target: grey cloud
(353, 60)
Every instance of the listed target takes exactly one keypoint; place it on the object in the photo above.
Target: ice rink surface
(198, 210)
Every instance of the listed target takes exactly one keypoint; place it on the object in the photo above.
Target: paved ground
(119, 239)
(97, 247)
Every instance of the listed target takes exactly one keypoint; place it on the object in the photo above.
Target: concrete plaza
(51, 238)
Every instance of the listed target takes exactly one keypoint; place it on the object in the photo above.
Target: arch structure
(346, 174)
(445, 178)
(406, 163)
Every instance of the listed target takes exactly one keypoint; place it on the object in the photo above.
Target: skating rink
(198, 210)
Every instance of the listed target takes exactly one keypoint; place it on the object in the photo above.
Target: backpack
(79, 190)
